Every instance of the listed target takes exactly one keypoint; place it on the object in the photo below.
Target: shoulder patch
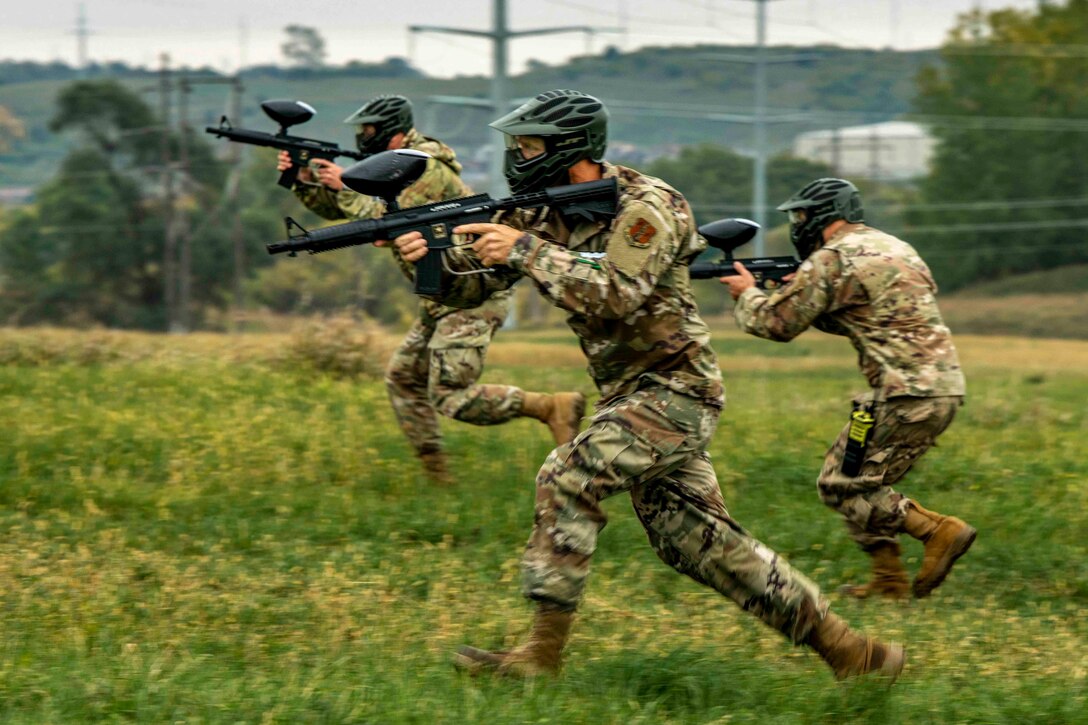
(640, 233)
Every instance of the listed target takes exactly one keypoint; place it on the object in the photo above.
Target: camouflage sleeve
(831, 325)
(359, 206)
(642, 246)
(438, 182)
(788, 312)
(319, 199)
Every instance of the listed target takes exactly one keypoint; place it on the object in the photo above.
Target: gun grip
(288, 177)
(429, 273)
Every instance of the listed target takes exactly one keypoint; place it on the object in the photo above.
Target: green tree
(90, 250)
(1007, 194)
(717, 181)
(304, 47)
(110, 117)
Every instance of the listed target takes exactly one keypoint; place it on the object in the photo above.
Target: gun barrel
(710, 270)
(309, 147)
(338, 236)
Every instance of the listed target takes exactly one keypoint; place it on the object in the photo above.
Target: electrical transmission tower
(500, 35)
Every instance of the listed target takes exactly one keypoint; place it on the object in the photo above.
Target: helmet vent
(560, 113)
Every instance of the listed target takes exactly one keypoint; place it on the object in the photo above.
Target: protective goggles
(525, 148)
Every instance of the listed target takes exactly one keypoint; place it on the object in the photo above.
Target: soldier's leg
(691, 530)
(458, 349)
(650, 437)
(406, 377)
(874, 512)
(627, 442)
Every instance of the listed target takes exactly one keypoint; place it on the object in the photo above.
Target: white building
(891, 150)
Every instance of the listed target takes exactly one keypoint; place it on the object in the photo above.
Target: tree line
(1002, 197)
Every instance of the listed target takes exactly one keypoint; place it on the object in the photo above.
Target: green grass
(193, 535)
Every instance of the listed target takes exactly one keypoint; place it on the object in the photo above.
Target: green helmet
(574, 126)
(388, 114)
(815, 206)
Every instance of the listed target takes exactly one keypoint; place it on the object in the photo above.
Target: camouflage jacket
(441, 180)
(624, 284)
(876, 290)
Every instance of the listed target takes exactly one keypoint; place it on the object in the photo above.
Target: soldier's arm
(320, 200)
(790, 310)
(642, 246)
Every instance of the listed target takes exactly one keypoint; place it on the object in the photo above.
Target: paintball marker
(388, 173)
(727, 235)
(301, 150)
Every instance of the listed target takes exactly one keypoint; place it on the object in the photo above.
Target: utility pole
(759, 176)
(170, 242)
(230, 194)
(185, 262)
(500, 35)
(236, 234)
(81, 33)
(759, 118)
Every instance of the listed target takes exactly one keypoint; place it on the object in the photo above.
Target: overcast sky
(227, 33)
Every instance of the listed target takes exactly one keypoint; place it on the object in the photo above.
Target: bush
(341, 346)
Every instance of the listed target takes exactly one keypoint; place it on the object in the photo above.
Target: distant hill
(1038, 304)
(643, 87)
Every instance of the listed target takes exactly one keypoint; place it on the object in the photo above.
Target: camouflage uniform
(438, 363)
(876, 290)
(626, 288)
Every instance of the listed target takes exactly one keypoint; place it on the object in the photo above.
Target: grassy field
(194, 531)
(1037, 304)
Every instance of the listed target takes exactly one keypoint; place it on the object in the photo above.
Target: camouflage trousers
(905, 428)
(435, 369)
(652, 444)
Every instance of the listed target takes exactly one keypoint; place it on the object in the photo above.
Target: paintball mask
(386, 116)
(568, 126)
(815, 206)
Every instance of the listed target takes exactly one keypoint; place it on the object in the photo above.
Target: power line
(1002, 227)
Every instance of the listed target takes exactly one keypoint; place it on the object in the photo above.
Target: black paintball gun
(301, 150)
(727, 235)
(387, 173)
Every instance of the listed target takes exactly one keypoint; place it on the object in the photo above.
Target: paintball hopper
(386, 174)
(288, 113)
(727, 235)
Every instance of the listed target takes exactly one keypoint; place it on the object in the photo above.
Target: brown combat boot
(889, 576)
(562, 413)
(946, 539)
(850, 654)
(436, 468)
(541, 654)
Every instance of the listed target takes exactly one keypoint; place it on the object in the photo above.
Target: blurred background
(965, 124)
